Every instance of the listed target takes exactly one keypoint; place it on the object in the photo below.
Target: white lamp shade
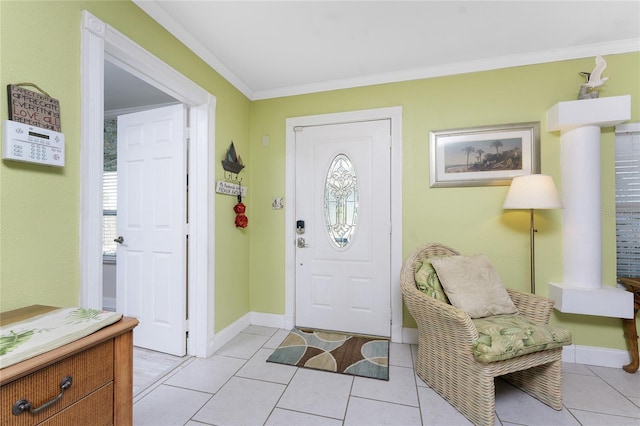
(532, 192)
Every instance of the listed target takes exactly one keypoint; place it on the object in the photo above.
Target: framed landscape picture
(484, 156)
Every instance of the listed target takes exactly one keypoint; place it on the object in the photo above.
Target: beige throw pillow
(473, 285)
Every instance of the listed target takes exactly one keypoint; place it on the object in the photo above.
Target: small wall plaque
(231, 188)
(33, 108)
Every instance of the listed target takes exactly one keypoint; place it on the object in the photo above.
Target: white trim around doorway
(100, 42)
(395, 115)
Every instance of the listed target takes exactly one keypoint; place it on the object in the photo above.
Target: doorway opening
(124, 93)
(100, 42)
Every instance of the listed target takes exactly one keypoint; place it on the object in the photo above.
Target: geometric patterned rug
(365, 356)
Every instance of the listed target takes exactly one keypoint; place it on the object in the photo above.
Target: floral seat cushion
(502, 337)
(428, 282)
(36, 335)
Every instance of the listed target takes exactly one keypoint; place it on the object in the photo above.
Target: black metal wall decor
(232, 164)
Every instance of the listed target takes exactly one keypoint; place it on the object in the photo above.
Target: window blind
(627, 167)
(109, 214)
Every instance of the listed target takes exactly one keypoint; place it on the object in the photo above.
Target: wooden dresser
(100, 366)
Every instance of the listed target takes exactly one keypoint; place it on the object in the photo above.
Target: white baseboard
(397, 334)
(232, 330)
(252, 318)
(602, 357)
(268, 320)
(410, 335)
(280, 321)
(286, 323)
(289, 322)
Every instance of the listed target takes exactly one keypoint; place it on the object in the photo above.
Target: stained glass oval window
(341, 200)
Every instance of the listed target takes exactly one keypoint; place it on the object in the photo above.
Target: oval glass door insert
(341, 200)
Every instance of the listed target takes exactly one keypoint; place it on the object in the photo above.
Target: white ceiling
(124, 92)
(277, 48)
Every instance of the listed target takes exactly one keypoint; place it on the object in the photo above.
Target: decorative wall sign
(229, 188)
(489, 155)
(33, 108)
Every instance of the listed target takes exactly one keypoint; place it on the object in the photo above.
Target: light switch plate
(277, 203)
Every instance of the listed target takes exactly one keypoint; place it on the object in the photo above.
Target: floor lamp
(532, 192)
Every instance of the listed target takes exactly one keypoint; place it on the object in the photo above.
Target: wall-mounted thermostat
(23, 142)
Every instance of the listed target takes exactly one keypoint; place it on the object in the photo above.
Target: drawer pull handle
(23, 404)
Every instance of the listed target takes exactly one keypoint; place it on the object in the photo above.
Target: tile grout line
(160, 380)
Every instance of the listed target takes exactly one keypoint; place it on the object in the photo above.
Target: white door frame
(395, 115)
(100, 41)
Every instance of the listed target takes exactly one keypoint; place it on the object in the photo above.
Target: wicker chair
(445, 349)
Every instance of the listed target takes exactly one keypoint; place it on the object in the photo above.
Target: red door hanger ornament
(241, 219)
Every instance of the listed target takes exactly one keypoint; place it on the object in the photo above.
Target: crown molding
(577, 52)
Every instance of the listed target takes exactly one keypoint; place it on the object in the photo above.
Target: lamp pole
(532, 231)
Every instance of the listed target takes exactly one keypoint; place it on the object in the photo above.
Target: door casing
(395, 115)
(100, 42)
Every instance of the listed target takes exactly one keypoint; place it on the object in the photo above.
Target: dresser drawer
(95, 410)
(89, 370)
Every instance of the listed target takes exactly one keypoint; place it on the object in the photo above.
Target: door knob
(302, 243)
(119, 240)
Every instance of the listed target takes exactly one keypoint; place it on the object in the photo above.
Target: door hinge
(186, 229)
(186, 326)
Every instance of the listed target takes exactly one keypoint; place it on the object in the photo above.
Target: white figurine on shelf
(594, 79)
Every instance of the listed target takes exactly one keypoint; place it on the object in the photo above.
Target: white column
(582, 223)
(579, 123)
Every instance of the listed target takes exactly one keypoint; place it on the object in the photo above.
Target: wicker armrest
(532, 306)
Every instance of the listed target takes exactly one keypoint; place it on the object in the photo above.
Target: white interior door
(151, 259)
(343, 257)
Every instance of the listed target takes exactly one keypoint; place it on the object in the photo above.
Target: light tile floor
(149, 366)
(237, 387)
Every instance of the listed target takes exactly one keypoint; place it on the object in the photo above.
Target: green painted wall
(470, 219)
(39, 206)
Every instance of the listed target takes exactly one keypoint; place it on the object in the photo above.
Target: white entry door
(343, 194)
(151, 257)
